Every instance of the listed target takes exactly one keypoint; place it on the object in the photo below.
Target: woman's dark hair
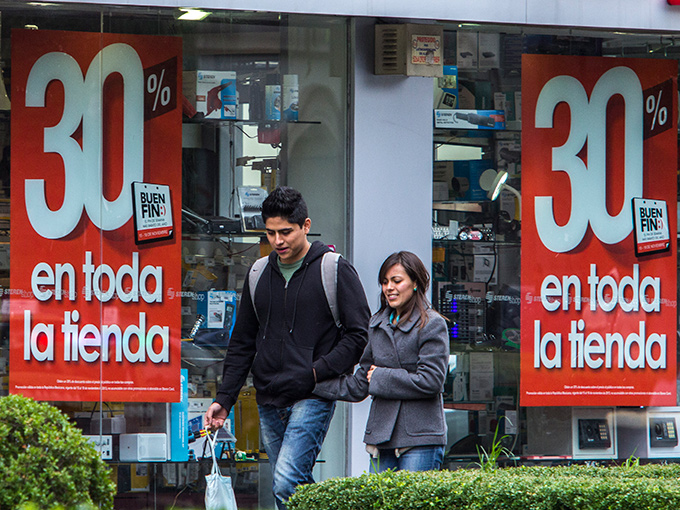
(287, 203)
(416, 271)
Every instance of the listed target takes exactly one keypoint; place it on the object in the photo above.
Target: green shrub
(45, 462)
(633, 487)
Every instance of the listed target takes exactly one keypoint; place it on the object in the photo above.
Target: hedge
(45, 462)
(634, 487)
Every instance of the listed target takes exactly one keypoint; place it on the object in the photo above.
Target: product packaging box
(446, 93)
(290, 95)
(219, 308)
(213, 93)
(509, 155)
(144, 447)
(177, 419)
(489, 50)
(462, 178)
(440, 191)
(272, 102)
(466, 50)
(469, 119)
(139, 478)
(505, 101)
(443, 180)
(103, 444)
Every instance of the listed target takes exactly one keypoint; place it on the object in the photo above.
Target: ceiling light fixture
(193, 14)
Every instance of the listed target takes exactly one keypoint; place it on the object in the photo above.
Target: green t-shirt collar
(287, 270)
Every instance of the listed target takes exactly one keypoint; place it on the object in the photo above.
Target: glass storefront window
(255, 101)
(478, 250)
(261, 99)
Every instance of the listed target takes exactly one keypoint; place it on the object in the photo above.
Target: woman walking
(403, 369)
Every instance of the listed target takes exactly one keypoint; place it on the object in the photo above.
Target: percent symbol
(660, 114)
(154, 85)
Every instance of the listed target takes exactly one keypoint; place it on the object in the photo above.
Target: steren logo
(83, 166)
(588, 184)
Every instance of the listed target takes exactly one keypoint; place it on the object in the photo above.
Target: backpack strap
(329, 279)
(254, 277)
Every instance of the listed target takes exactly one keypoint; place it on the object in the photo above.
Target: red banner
(93, 314)
(598, 320)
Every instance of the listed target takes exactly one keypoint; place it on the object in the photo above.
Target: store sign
(426, 49)
(92, 314)
(651, 226)
(153, 212)
(599, 157)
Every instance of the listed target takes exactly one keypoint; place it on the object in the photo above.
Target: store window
(223, 109)
(484, 260)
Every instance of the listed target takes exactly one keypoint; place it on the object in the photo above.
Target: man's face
(288, 240)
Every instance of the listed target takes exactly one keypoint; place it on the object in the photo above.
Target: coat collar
(382, 319)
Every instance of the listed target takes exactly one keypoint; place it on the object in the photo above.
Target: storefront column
(391, 201)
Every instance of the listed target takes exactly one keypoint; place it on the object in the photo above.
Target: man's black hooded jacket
(296, 334)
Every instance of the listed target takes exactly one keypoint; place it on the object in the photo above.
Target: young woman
(403, 369)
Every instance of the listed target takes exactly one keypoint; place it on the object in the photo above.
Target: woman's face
(397, 287)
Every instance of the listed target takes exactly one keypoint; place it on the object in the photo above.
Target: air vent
(409, 50)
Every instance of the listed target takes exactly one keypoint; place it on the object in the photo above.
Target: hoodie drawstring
(292, 326)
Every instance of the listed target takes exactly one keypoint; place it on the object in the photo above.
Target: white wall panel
(622, 14)
(649, 14)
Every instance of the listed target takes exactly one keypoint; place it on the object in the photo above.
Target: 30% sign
(160, 88)
(658, 108)
(154, 84)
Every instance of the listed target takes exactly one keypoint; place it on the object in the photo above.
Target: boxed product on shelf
(489, 50)
(219, 309)
(509, 154)
(144, 447)
(462, 178)
(518, 105)
(467, 49)
(272, 102)
(440, 191)
(177, 422)
(290, 95)
(505, 101)
(446, 92)
(478, 50)
(469, 119)
(212, 93)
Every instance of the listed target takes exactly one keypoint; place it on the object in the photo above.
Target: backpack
(329, 280)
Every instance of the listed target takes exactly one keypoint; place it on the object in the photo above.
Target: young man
(290, 341)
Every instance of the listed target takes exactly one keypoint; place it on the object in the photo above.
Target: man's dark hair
(286, 203)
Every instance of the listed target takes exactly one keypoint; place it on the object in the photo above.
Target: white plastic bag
(219, 494)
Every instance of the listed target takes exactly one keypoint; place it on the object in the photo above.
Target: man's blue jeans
(292, 437)
(418, 458)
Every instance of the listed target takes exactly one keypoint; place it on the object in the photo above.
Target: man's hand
(214, 417)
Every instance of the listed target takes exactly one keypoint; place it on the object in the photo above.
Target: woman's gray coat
(407, 408)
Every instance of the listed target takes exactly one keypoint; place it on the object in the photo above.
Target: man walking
(286, 333)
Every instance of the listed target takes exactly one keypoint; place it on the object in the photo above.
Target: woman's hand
(369, 374)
